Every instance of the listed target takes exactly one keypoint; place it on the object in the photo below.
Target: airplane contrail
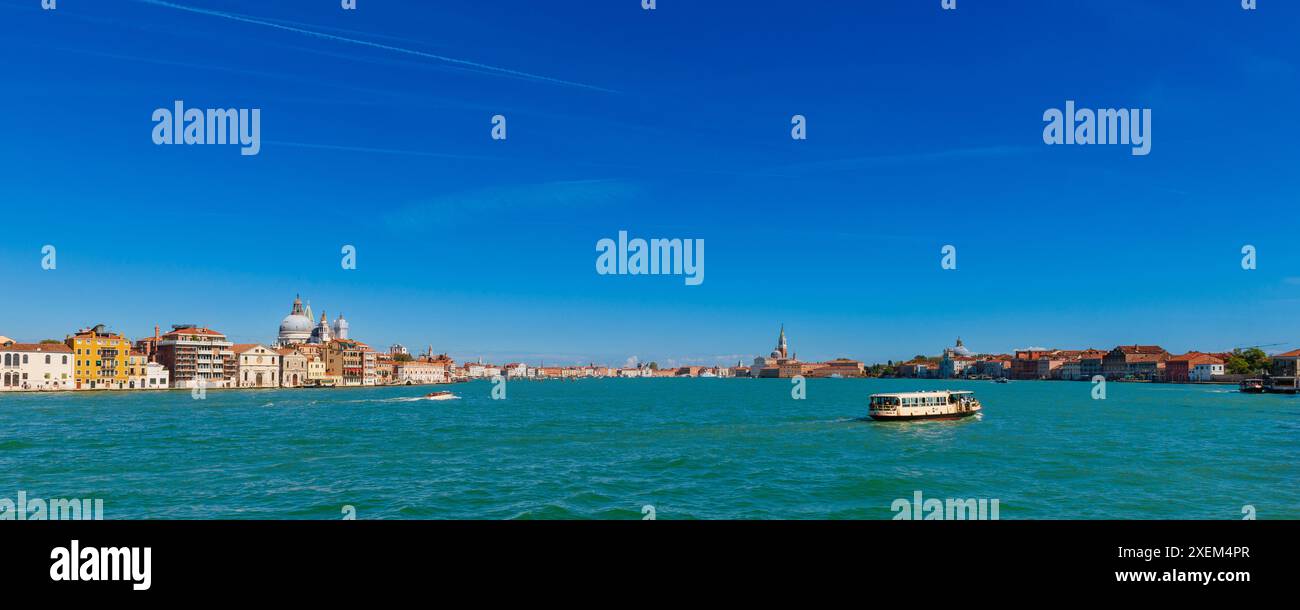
(375, 45)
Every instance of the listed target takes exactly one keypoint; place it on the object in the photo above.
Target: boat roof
(923, 393)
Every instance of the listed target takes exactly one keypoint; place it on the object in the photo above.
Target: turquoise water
(692, 448)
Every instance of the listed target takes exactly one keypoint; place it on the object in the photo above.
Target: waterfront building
(156, 377)
(1182, 369)
(1284, 372)
(256, 366)
(100, 359)
(149, 345)
(36, 366)
(1207, 368)
(293, 368)
(352, 362)
(137, 376)
(777, 364)
(956, 360)
(194, 354)
(795, 368)
(296, 327)
(1070, 370)
(385, 368)
(922, 369)
(1143, 362)
(317, 372)
(515, 370)
(994, 366)
(1049, 365)
(369, 367)
(1026, 365)
(1092, 363)
(311, 350)
(424, 370)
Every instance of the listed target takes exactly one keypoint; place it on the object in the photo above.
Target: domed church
(297, 326)
(300, 327)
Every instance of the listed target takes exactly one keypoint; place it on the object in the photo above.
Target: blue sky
(924, 129)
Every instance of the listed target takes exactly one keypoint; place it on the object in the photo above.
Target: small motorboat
(1252, 386)
(441, 395)
(1001, 380)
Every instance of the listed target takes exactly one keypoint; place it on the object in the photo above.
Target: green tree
(654, 366)
(402, 358)
(50, 341)
(1249, 361)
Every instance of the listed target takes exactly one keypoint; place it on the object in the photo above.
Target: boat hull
(888, 417)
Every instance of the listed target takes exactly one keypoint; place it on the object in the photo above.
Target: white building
(1205, 371)
(256, 366)
(156, 376)
(420, 372)
(515, 370)
(35, 366)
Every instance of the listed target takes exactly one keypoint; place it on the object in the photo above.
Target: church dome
(296, 323)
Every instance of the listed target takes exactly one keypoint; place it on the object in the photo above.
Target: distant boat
(1001, 380)
(441, 395)
(1252, 386)
(943, 404)
(708, 374)
(836, 376)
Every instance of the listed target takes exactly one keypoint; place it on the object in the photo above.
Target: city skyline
(378, 136)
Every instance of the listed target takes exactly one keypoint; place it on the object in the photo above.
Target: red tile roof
(56, 348)
(1291, 354)
(1195, 358)
(192, 330)
(1141, 349)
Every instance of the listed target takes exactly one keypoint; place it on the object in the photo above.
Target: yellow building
(101, 359)
(137, 374)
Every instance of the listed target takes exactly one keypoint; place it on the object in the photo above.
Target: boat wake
(382, 400)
